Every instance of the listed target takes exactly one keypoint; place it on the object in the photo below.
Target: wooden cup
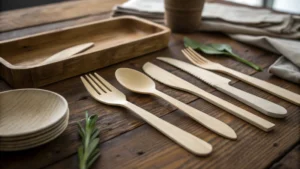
(183, 15)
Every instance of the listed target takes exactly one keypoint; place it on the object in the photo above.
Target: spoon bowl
(135, 80)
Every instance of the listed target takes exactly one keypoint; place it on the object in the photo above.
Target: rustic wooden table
(126, 141)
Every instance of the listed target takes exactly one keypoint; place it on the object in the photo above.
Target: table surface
(126, 141)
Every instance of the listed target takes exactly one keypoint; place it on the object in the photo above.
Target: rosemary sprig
(88, 151)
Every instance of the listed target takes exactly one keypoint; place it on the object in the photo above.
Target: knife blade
(67, 53)
(171, 80)
(222, 84)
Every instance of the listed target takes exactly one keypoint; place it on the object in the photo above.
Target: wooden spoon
(138, 82)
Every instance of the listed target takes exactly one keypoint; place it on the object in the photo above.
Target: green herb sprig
(218, 49)
(88, 151)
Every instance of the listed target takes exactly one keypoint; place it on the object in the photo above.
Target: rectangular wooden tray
(115, 39)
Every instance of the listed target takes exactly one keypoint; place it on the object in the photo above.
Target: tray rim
(5, 63)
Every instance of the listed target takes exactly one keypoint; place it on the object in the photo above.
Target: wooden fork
(204, 63)
(104, 92)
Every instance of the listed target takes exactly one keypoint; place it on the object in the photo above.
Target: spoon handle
(208, 121)
(183, 138)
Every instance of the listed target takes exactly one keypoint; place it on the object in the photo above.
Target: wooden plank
(113, 121)
(51, 26)
(144, 147)
(16, 19)
(121, 133)
(290, 161)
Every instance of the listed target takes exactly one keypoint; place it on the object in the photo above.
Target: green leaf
(190, 43)
(88, 152)
(93, 120)
(92, 146)
(80, 152)
(80, 130)
(222, 47)
(95, 134)
(217, 49)
(89, 164)
(197, 46)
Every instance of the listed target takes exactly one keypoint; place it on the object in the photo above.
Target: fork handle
(183, 138)
(231, 108)
(267, 107)
(277, 91)
(206, 120)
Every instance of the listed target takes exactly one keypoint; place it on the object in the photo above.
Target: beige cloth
(261, 28)
(287, 66)
(286, 70)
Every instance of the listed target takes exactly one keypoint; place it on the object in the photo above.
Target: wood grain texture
(117, 125)
(27, 17)
(120, 147)
(111, 40)
(51, 26)
(135, 150)
(37, 140)
(290, 160)
(30, 110)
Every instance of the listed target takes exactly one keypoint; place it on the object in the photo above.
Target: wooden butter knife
(204, 63)
(222, 84)
(62, 55)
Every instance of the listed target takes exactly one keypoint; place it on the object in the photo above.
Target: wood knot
(83, 98)
(140, 153)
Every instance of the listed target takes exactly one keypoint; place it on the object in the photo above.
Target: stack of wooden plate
(31, 117)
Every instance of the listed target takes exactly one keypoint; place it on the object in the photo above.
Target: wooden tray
(115, 39)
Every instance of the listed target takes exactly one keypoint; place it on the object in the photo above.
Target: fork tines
(97, 83)
(193, 56)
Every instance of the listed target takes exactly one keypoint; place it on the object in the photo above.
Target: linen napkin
(288, 65)
(259, 27)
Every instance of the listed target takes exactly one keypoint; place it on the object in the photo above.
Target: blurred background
(289, 6)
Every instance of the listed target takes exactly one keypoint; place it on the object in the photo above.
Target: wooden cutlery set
(136, 81)
(32, 117)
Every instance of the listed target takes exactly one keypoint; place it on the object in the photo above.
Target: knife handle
(268, 108)
(206, 120)
(231, 108)
(277, 91)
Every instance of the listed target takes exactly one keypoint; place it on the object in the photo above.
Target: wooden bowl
(27, 111)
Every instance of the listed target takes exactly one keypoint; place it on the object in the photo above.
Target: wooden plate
(35, 138)
(29, 136)
(26, 111)
(35, 143)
